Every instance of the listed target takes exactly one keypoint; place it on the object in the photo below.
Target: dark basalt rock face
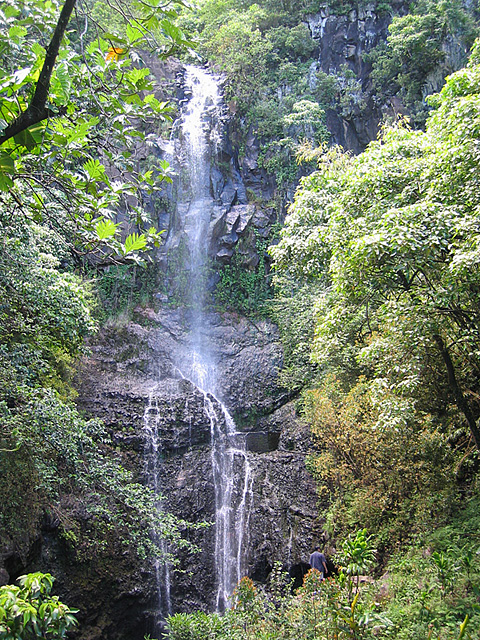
(342, 40)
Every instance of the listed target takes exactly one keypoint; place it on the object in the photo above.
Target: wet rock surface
(342, 40)
(283, 521)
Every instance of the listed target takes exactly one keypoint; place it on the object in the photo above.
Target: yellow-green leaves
(134, 242)
(30, 611)
(106, 229)
(7, 169)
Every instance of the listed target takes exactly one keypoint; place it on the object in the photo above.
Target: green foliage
(200, 626)
(239, 47)
(30, 611)
(393, 231)
(121, 288)
(244, 289)
(72, 109)
(66, 122)
(382, 462)
(424, 600)
(278, 159)
(45, 309)
(293, 310)
(415, 48)
(318, 610)
(357, 555)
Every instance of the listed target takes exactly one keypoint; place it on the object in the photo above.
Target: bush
(30, 612)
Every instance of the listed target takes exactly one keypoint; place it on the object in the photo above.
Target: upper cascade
(200, 127)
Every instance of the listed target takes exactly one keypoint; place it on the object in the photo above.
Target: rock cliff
(135, 365)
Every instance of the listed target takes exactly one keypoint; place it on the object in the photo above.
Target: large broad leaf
(7, 165)
(106, 229)
(25, 139)
(6, 183)
(134, 242)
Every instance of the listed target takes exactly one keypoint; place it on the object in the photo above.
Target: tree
(416, 47)
(74, 99)
(395, 232)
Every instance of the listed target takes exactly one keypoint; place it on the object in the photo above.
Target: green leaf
(7, 165)
(106, 229)
(114, 38)
(17, 32)
(25, 139)
(133, 33)
(95, 169)
(137, 75)
(134, 242)
(10, 11)
(61, 83)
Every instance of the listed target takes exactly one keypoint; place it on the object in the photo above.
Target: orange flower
(114, 53)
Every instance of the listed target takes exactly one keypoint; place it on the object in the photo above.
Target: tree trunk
(37, 110)
(462, 403)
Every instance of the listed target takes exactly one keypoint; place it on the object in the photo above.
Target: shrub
(30, 612)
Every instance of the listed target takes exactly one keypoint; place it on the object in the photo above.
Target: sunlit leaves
(98, 89)
(7, 164)
(94, 169)
(134, 242)
(30, 611)
(106, 229)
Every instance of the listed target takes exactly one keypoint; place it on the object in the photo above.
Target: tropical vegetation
(75, 96)
(377, 299)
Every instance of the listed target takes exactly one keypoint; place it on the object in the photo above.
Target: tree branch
(37, 110)
(460, 399)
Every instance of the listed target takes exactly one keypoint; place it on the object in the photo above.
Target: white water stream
(152, 456)
(232, 473)
(199, 135)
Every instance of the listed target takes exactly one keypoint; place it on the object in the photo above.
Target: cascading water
(152, 455)
(232, 472)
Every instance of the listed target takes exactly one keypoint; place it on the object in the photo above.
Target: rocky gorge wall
(132, 366)
(135, 374)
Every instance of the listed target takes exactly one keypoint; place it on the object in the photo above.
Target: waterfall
(152, 454)
(232, 473)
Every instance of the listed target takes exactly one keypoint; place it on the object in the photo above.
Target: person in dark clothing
(319, 562)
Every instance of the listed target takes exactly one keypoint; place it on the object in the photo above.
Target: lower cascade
(152, 452)
(233, 480)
